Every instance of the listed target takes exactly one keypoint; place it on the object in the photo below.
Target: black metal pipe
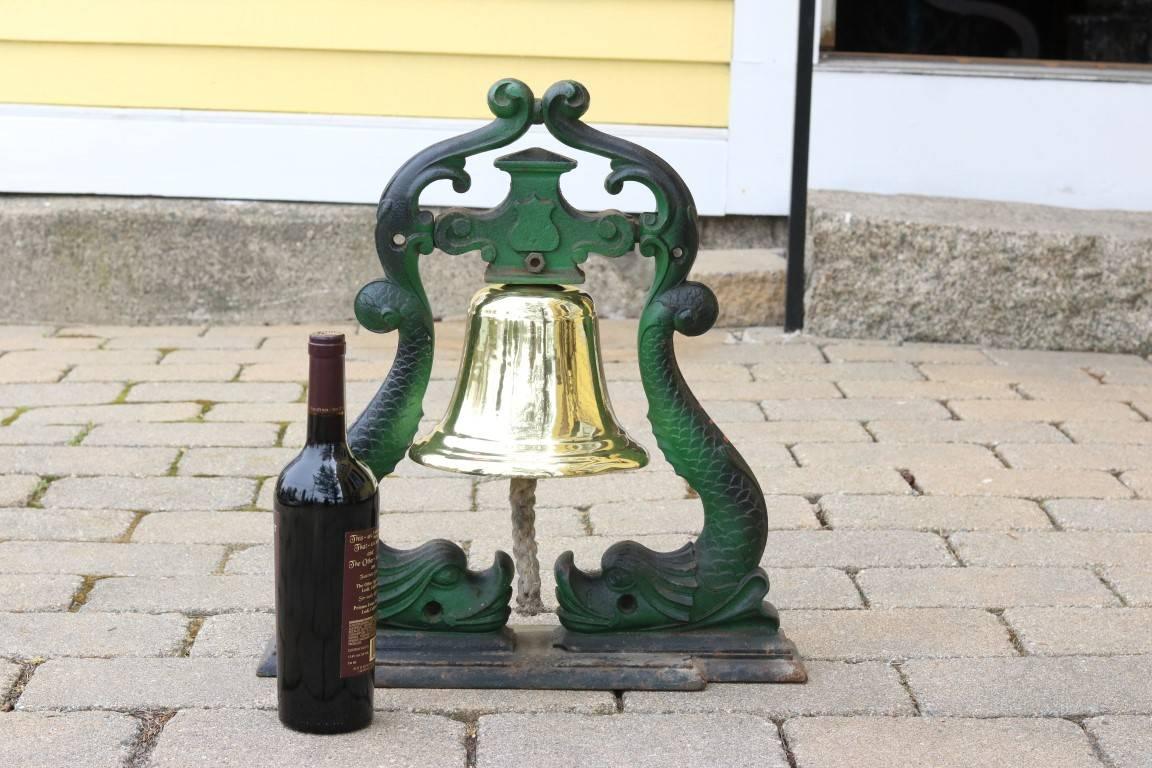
(798, 210)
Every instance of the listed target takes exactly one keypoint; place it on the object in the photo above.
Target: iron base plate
(535, 657)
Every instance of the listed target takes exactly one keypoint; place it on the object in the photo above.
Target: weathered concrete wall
(149, 260)
(931, 269)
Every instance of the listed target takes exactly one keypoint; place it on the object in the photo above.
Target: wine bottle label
(358, 606)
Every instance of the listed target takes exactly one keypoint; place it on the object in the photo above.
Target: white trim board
(1067, 143)
(317, 158)
(760, 107)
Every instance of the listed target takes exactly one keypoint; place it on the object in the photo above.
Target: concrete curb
(998, 274)
(161, 261)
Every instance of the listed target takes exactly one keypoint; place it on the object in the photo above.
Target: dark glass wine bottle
(327, 521)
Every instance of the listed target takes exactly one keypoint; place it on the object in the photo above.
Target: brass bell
(530, 399)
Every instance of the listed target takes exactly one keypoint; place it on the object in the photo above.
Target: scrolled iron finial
(510, 97)
(568, 99)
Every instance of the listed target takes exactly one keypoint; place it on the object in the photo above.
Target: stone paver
(38, 434)
(236, 462)
(37, 592)
(9, 672)
(863, 409)
(112, 414)
(257, 740)
(1129, 375)
(1043, 410)
(839, 742)
(1124, 432)
(204, 355)
(1082, 631)
(205, 528)
(1041, 390)
(933, 513)
(791, 432)
(954, 532)
(176, 343)
(1077, 548)
(625, 518)
(1126, 741)
(1140, 482)
(186, 594)
(982, 432)
(17, 489)
(1070, 686)
(180, 373)
(812, 588)
(976, 587)
(855, 549)
(855, 371)
(833, 688)
(83, 460)
(33, 358)
(1100, 515)
(929, 390)
(297, 333)
(13, 341)
(230, 392)
(1024, 483)
(90, 634)
(763, 454)
(108, 559)
(116, 331)
(147, 683)
(755, 390)
(909, 353)
(256, 412)
(184, 435)
(1007, 374)
(1134, 584)
(896, 455)
(64, 524)
(1099, 456)
(296, 434)
(235, 634)
(56, 739)
(1095, 361)
(648, 741)
(743, 354)
(250, 561)
(897, 633)
(816, 481)
(32, 395)
(470, 702)
(153, 493)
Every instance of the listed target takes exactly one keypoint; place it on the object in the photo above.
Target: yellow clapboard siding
(342, 82)
(654, 30)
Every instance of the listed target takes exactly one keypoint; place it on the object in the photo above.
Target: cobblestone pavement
(961, 548)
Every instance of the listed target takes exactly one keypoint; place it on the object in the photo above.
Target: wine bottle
(326, 513)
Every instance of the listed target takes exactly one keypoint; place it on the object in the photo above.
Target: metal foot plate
(549, 657)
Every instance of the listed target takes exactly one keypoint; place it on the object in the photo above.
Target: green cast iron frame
(714, 583)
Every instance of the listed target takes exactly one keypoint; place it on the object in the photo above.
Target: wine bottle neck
(326, 424)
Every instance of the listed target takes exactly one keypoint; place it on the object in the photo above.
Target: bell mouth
(568, 458)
